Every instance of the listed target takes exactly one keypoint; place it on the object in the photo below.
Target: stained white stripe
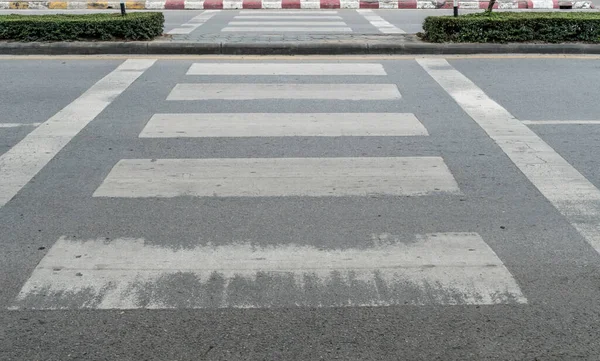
(278, 177)
(282, 125)
(378, 22)
(194, 23)
(23, 161)
(287, 17)
(294, 12)
(293, 29)
(438, 268)
(236, 91)
(560, 122)
(287, 23)
(17, 125)
(286, 69)
(576, 198)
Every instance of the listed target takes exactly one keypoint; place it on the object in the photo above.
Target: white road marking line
(576, 198)
(286, 69)
(278, 177)
(194, 23)
(294, 29)
(287, 17)
(126, 273)
(560, 122)
(17, 125)
(237, 91)
(282, 125)
(23, 161)
(287, 23)
(378, 22)
(294, 12)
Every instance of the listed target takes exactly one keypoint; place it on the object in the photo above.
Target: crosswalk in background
(449, 267)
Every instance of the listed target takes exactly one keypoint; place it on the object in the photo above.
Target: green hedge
(503, 27)
(65, 27)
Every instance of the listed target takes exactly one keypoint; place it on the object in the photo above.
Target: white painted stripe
(17, 125)
(194, 23)
(287, 23)
(23, 161)
(294, 12)
(263, 29)
(576, 198)
(278, 177)
(233, 4)
(242, 91)
(126, 273)
(560, 122)
(282, 125)
(287, 17)
(369, 69)
(378, 22)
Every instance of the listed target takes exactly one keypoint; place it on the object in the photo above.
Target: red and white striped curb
(295, 4)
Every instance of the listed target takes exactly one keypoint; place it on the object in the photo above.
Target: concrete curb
(296, 4)
(287, 48)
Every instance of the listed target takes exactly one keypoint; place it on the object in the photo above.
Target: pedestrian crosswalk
(290, 21)
(450, 267)
(437, 268)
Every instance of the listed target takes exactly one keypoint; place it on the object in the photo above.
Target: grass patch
(67, 27)
(504, 27)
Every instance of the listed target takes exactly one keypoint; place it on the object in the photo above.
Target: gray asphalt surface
(556, 269)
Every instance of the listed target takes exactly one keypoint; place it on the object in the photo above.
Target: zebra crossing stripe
(287, 23)
(278, 177)
(282, 125)
(369, 69)
(437, 268)
(194, 23)
(22, 162)
(293, 29)
(573, 195)
(378, 22)
(288, 17)
(244, 91)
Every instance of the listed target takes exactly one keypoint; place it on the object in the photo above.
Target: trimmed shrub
(67, 27)
(504, 27)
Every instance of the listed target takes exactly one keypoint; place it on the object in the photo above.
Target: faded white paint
(349, 4)
(542, 4)
(378, 22)
(278, 177)
(193, 4)
(294, 12)
(251, 91)
(18, 125)
(150, 4)
(286, 17)
(286, 69)
(194, 22)
(438, 268)
(310, 4)
(282, 125)
(292, 29)
(561, 122)
(576, 198)
(287, 23)
(23, 161)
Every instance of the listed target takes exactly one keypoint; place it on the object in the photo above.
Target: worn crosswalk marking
(243, 91)
(282, 125)
(438, 268)
(278, 177)
(370, 69)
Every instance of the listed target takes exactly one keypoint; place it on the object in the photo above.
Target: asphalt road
(464, 229)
